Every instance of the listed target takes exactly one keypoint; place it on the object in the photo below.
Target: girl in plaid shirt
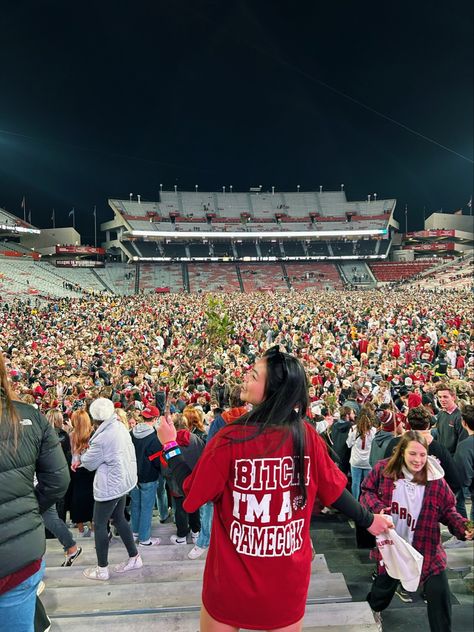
(411, 487)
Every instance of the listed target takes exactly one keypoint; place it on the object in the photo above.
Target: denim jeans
(162, 498)
(53, 523)
(358, 474)
(141, 509)
(206, 512)
(17, 606)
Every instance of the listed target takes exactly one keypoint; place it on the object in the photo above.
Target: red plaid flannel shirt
(438, 506)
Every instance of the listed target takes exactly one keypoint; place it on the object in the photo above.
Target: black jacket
(147, 448)
(22, 539)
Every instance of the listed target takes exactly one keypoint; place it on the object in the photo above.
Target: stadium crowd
(379, 364)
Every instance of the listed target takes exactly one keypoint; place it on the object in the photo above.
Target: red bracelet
(169, 445)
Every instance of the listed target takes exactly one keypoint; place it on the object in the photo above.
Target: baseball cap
(150, 411)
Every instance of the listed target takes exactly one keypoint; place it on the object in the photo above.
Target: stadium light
(342, 187)
(139, 198)
(298, 188)
(130, 195)
(320, 188)
(196, 188)
(375, 197)
(175, 188)
(273, 190)
(230, 187)
(161, 188)
(223, 189)
(368, 198)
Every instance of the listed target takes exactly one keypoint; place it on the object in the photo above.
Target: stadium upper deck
(191, 216)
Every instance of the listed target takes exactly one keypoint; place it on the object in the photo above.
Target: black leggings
(111, 510)
(184, 520)
(437, 595)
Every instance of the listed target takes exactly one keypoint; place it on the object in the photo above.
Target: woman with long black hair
(263, 473)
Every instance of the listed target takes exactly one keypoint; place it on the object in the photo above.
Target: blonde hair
(122, 415)
(55, 417)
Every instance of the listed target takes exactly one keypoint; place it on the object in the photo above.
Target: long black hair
(284, 405)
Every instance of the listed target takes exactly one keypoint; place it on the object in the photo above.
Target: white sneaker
(151, 542)
(132, 564)
(378, 620)
(196, 552)
(175, 540)
(97, 572)
(40, 588)
(194, 536)
(454, 543)
(87, 533)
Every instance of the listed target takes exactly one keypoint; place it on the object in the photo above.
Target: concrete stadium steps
(101, 597)
(354, 617)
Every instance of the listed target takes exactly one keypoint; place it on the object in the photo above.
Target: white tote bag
(401, 560)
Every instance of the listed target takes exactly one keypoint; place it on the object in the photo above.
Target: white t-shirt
(407, 499)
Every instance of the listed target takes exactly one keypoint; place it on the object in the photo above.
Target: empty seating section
(13, 246)
(270, 249)
(161, 275)
(312, 275)
(265, 205)
(148, 248)
(390, 271)
(294, 248)
(209, 277)
(198, 249)
(173, 249)
(119, 277)
(232, 204)
(222, 249)
(25, 277)
(300, 204)
(317, 249)
(262, 276)
(197, 204)
(246, 249)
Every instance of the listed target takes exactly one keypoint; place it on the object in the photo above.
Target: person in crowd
(464, 461)
(81, 498)
(339, 432)
(359, 440)
(112, 455)
(143, 495)
(191, 447)
(194, 419)
(387, 428)
(30, 447)
(448, 420)
(263, 473)
(411, 487)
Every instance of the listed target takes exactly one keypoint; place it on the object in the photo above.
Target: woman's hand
(380, 524)
(166, 431)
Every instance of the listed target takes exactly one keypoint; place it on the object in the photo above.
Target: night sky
(101, 99)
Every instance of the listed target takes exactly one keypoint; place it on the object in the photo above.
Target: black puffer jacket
(22, 539)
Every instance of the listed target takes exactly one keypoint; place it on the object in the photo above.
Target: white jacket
(360, 455)
(112, 454)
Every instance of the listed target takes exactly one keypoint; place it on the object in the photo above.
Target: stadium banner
(81, 263)
(448, 246)
(162, 290)
(79, 250)
(432, 233)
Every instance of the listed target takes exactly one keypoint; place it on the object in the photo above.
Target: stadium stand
(263, 276)
(313, 275)
(209, 277)
(390, 271)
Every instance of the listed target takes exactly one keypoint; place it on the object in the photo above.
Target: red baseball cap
(150, 411)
